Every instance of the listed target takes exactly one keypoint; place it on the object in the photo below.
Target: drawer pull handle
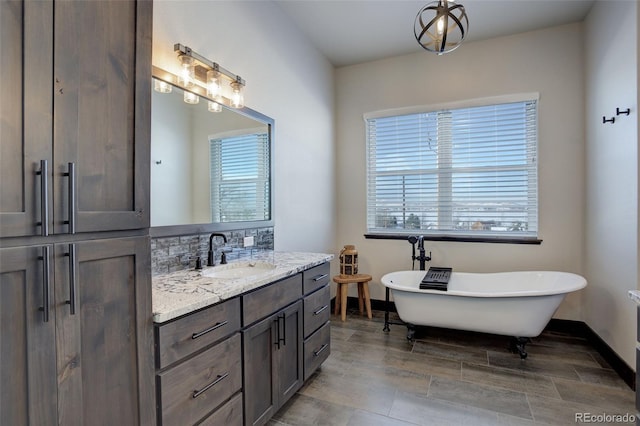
(219, 378)
(319, 351)
(320, 277)
(210, 329)
(319, 311)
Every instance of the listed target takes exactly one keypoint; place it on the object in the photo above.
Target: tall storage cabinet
(76, 334)
(77, 106)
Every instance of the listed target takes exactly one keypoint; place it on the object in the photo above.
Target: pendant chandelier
(441, 26)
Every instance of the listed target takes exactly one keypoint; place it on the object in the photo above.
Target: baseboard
(580, 329)
(574, 328)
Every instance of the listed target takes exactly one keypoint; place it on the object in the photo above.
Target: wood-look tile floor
(449, 377)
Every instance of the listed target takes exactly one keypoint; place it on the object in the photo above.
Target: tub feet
(411, 332)
(517, 346)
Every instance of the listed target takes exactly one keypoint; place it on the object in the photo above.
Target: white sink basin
(238, 270)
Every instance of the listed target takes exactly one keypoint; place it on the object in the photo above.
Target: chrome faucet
(210, 260)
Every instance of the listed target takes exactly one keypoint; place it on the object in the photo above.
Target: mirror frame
(204, 228)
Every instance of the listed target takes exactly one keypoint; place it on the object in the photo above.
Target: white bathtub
(518, 304)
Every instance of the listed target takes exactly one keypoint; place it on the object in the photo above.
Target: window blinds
(463, 171)
(240, 178)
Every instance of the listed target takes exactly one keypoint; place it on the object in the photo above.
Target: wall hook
(611, 120)
(158, 161)
(625, 112)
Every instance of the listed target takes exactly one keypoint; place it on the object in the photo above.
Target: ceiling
(348, 32)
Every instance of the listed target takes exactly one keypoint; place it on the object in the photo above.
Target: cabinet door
(259, 347)
(26, 34)
(104, 332)
(289, 354)
(27, 347)
(101, 112)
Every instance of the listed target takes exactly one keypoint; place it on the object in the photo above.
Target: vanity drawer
(192, 389)
(182, 337)
(316, 350)
(315, 278)
(316, 310)
(269, 299)
(230, 414)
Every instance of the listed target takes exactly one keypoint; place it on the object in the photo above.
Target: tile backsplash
(170, 254)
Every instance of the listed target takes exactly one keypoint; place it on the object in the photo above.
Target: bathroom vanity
(232, 351)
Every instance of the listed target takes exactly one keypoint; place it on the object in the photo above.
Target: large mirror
(209, 170)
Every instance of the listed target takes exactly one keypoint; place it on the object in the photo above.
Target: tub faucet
(210, 260)
(422, 257)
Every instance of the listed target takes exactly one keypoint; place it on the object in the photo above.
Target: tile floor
(450, 377)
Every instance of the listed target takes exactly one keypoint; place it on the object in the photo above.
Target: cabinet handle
(72, 279)
(219, 378)
(284, 329)
(71, 198)
(278, 338)
(319, 311)
(44, 198)
(320, 277)
(46, 283)
(322, 348)
(210, 329)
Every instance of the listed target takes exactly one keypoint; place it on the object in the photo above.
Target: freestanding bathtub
(518, 304)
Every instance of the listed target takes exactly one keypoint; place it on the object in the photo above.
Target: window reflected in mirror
(208, 167)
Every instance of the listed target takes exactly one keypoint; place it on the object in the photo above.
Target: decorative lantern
(348, 261)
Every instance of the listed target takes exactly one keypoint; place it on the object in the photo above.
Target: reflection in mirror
(208, 167)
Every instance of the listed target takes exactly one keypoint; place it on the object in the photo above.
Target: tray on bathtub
(437, 278)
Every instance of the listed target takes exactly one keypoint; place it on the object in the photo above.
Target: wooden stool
(363, 293)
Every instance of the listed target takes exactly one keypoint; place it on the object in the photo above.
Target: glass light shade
(213, 84)
(161, 86)
(214, 107)
(187, 75)
(237, 97)
(191, 98)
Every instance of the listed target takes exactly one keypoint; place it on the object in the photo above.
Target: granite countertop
(635, 296)
(181, 292)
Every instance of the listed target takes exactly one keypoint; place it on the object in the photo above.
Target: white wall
(550, 62)
(611, 252)
(170, 195)
(288, 80)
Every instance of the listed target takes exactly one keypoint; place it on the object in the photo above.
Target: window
(462, 172)
(240, 177)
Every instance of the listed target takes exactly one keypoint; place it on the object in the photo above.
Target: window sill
(460, 238)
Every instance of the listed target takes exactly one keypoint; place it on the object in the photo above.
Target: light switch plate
(248, 241)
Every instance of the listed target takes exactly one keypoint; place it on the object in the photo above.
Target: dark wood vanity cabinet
(285, 348)
(199, 361)
(239, 361)
(272, 355)
(77, 348)
(317, 334)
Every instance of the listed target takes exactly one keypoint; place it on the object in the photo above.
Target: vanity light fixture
(214, 90)
(214, 106)
(211, 76)
(441, 26)
(237, 99)
(191, 98)
(161, 86)
(187, 74)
